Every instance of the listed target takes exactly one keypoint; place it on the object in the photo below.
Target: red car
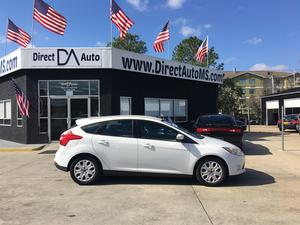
(290, 121)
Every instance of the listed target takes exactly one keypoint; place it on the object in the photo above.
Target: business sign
(64, 58)
(109, 58)
(10, 63)
(129, 61)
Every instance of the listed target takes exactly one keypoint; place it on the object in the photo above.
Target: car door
(158, 150)
(115, 144)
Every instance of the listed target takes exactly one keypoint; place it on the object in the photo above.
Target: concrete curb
(12, 149)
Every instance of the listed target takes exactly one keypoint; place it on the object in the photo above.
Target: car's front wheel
(211, 171)
(85, 170)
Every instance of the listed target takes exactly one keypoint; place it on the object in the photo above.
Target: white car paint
(145, 155)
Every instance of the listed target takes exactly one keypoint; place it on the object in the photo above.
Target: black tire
(216, 180)
(89, 176)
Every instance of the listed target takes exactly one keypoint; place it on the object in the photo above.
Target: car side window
(156, 131)
(117, 128)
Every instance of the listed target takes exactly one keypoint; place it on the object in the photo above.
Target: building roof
(285, 92)
(262, 74)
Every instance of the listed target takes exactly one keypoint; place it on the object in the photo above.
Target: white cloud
(179, 21)
(262, 66)
(175, 4)
(207, 26)
(229, 60)
(31, 46)
(140, 5)
(186, 30)
(254, 40)
(100, 44)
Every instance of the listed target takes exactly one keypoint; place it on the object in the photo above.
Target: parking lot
(33, 191)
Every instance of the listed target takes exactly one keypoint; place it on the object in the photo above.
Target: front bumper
(237, 165)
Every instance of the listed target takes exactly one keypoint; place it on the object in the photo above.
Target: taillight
(69, 136)
(235, 130)
(211, 129)
(294, 121)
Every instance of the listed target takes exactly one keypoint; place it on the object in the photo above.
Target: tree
(229, 100)
(186, 50)
(130, 43)
(255, 107)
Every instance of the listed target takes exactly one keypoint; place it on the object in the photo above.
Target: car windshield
(193, 134)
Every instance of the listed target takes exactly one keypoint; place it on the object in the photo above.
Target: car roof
(90, 120)
(216, 115)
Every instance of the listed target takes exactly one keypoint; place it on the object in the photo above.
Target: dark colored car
(290, 121)
(220, 126)
(241, 124)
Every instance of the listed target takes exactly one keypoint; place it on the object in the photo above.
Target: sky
(247, 35)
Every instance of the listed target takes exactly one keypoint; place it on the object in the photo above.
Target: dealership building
(272, 104)
(66, 84)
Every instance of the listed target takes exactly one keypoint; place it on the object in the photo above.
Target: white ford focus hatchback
(142, 144)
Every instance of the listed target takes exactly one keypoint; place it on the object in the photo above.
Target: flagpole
(169, 42)
(207, 51)
(32, 26)
(6, 38)
(111, 29)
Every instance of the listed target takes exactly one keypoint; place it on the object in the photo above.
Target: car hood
(214, 142)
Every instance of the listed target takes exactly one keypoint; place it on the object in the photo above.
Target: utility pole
(248, 118)
(282, 129)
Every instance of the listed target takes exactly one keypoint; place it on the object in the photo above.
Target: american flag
(202, 51)
(48, 17)
(163, 36)
(119, 18)
(17, 35)
(22, 100)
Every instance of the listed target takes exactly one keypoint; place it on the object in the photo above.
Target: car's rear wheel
(85, 170)
(211, 171)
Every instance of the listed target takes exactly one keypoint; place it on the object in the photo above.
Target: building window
(125, 105)
(5, 113)
(251, 91)
(166, 108)
(152, 107)
(242, 81)
(19, 118)
(176, 109)
(252, 81)
(180, 110)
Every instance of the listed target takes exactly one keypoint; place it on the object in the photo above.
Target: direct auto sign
(10, 63)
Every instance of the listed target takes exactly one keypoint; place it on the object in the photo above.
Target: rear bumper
(288, 126)
(60, 167)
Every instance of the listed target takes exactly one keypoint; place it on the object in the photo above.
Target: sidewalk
(9, 146)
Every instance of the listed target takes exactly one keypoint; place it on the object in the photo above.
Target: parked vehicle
(146, 145)
(220, 126)
(241, 124)
(290, 121)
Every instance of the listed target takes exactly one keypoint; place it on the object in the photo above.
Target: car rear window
(291, 117)
(216, 121)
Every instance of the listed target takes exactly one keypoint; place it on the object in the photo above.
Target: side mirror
(179, 137)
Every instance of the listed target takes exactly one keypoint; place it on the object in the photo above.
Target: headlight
(234, 150)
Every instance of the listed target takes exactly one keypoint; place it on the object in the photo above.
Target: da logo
(63, 57)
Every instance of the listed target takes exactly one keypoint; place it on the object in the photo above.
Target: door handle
(149, 146)
(103, 142)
